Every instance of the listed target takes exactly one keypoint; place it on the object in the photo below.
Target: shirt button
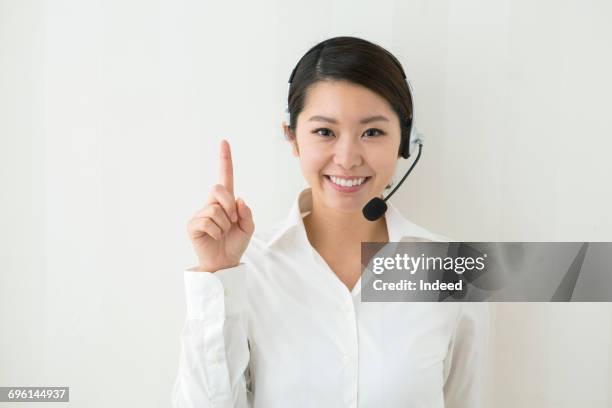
(216, 360)
(345, 358)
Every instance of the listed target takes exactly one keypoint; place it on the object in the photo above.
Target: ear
(294, 148)
(290, 136)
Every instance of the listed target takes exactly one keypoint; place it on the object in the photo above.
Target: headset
(376, 207)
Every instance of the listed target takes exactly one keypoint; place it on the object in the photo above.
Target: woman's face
(346, 134)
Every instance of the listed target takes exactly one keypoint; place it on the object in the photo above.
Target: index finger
(227, 169)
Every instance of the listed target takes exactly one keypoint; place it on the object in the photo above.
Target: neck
(327, 226)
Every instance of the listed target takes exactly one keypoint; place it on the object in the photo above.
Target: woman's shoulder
(263, 257)
(405, 230)
(417, 231)
(262, 237)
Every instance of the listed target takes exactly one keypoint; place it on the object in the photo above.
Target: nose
(347, 153)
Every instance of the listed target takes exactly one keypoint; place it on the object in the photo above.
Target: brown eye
(373, 132)
(324, 130)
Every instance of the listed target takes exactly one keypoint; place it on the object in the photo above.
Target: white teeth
(346, 183)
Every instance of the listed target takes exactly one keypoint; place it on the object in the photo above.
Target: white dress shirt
(282, 330)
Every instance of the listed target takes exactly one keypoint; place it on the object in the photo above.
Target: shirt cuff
(204, 289)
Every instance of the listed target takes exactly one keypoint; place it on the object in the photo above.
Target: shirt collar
(398, 227)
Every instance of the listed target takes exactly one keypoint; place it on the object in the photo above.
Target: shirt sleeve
(466, 362)
(214, 357)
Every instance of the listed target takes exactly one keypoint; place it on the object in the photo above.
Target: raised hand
(220, 232)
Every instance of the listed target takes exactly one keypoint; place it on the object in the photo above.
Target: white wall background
(110, 117)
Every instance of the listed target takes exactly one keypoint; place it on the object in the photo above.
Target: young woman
(274, 318)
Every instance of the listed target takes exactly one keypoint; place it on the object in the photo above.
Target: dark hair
(358, 61)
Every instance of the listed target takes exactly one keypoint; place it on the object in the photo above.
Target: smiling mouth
(348, 185)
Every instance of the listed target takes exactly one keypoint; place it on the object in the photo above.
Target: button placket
(350, 357)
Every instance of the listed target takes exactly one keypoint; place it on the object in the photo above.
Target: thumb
(245, 217)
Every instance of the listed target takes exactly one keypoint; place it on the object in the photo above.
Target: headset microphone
(376, 207)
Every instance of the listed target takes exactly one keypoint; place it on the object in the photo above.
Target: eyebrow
(375, 118)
